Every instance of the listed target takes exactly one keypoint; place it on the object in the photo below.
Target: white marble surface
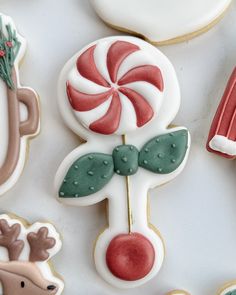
(196, 213)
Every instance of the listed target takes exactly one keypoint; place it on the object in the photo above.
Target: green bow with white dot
(90, 173)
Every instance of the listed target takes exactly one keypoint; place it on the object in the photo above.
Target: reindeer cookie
(120, 94)
(19, 118)
(24, 253)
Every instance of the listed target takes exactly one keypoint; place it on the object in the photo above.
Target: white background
(196, 213)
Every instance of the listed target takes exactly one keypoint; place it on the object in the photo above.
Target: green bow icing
(90, 173)
(231, 292)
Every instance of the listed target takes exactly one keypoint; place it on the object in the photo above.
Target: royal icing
(178, 292)
(153, 18)
(222, 135)
(19, 118)
(229, 289)
(129, 148)
(24, 258)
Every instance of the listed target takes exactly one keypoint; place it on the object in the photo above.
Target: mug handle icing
(18, 129)
(29, 99)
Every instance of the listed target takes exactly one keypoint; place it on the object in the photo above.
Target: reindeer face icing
(17, 124)
(28, 250)
(120, 94)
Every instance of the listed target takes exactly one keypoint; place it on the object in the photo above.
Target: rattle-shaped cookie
(24, 255)
(19, 110)
(120, 94)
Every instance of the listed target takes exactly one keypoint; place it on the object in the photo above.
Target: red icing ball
(9, 44)
(130, 257)
(2, 53)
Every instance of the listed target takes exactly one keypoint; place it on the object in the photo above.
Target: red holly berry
(9, 44)
(2, 53)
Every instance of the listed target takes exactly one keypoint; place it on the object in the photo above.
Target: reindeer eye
(22, 284)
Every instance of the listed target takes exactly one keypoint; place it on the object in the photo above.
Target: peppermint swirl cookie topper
(19, 119)
(120, 94)
(24, 255)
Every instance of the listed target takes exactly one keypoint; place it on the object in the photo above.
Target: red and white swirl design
(115, 87)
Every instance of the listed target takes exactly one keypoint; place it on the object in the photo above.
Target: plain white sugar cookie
(120, 95)
(19, 106)
(25, 253)
(162, 21)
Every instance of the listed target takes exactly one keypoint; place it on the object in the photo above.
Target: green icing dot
(233, 292)
(125, 159)
(86, 176)
(166, 152)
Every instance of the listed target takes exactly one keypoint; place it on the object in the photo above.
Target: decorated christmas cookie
(19, 119)
(178, 292)
(222, 135)
(24, 258)
(162, 21)
(120, 94)
(228, 289)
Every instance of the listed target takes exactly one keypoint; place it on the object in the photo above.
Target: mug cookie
(154, 20)
(222, 135)
(19, 107)
(25, 251)
(120, 94)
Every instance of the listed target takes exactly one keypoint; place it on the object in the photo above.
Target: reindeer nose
(51, 287)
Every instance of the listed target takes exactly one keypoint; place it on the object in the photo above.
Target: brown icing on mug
(18, 129)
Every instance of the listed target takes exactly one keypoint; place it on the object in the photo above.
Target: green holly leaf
(87, 175)
(164, 154)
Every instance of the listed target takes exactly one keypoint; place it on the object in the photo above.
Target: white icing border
(229, 287)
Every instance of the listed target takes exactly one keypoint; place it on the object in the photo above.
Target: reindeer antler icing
(8, 239)
(39, 244)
